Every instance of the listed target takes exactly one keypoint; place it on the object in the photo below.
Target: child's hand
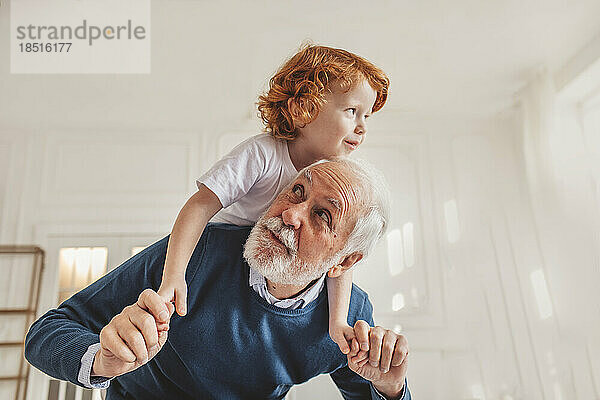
(342, 334)
(175, 291)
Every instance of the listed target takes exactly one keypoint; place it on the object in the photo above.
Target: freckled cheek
(278, 206)
(324, 245)
(315, 247)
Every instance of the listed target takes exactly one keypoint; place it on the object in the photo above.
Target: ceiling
(211, 59)
(462, 56)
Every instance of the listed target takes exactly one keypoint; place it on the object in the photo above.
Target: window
(78, 267)
(136, 249)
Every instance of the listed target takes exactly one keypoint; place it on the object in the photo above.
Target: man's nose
(293, 215)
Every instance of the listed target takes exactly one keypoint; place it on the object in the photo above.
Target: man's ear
(345, 265)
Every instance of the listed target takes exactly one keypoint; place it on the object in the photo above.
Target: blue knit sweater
(232, 344)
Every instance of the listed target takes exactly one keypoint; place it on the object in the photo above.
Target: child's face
(341, 124)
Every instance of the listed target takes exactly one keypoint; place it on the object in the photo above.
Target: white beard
(278, 264)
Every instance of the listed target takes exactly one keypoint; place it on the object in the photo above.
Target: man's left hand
(380, 356)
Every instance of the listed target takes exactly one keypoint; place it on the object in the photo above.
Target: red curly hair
(305, 78)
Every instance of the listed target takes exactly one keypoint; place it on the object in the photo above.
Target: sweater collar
(259, 284)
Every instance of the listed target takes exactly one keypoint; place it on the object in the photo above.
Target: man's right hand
(134, 336)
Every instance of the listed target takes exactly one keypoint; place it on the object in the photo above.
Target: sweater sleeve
(57, 341)
(351, 385)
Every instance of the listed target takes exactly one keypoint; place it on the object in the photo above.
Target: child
(316, 107)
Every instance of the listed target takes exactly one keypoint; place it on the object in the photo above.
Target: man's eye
(298, 190)
(324, 215)
(352, 110)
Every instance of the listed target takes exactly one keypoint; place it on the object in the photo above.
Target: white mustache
(285, 233)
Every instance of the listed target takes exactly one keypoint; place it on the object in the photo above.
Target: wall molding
(65, 156)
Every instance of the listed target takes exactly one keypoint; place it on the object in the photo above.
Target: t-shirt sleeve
(234, 175)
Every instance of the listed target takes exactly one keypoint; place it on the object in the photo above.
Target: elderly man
(256, 324)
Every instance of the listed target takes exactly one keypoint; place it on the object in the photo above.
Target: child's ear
(294, 106)
(345, 265)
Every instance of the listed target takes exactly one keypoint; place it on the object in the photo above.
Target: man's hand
(380, 356)
(134, 336)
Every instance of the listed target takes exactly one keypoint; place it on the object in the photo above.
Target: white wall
(462, 316)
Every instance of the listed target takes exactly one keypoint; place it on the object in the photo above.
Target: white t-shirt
(249, 178)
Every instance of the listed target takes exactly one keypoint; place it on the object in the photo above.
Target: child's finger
(349, 332)
(343, 344)
(164, 293)
(349, 337)
(354, 348)
(171, 308)
(180, 302)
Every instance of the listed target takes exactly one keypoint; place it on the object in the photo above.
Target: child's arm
(338, 292)
(190, 223)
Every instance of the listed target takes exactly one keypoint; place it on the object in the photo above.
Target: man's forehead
(338, 184)
(308, 175)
